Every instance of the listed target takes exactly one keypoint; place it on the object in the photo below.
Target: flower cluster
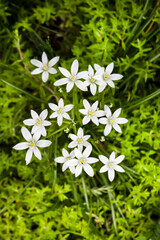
(79, 158)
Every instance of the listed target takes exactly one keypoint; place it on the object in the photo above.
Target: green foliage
(38, 201)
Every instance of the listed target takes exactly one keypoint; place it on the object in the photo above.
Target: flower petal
(73, 136)
(112, 156)
(44, 114)
(90, 70)
(103, 120)
(72, 169)
(104, 169)
(59, 120)
(95, 120)
(44, 58)
(116, 76)
(46, 123)
(88, 169)
(87, 151)
(83, 111)
(28, 156)
(91, 160)
(53, 106)
(100, 113)
(43, 131)
(52, 70)
(81, 85)
(26, 134)
(61, 81)
(60, 159)
(69, 86)
(121, 120)
(85, 120)
(61, 103)
(21, 146)
(64, 71)
(111, 83)
(109, 68)
(111, 174)
(73, 144)
(93, 88)
(45, 76)
(78, 153)
(107, 111)
(103, 159)
(82, 75)
(44, 143)
(65, 153)
(119, 159)
(102, 87)
(118, 168)
(34, 115)
(78, 170)
(36, 63)
(65, 115)
(86, 104)
(53, 61)
(107, 129)
(29, 122)
(117, 113)
(68, 107)
(117, 127)
(74, 67)
(37, 153)
(80, 132)
(95, 105)
(36, 71)
(54, 115)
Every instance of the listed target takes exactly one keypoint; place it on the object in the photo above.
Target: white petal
(60, 159)
(21, 146)
(64, 167)
(103, 159)
(36, 63)
(102, 87)
(34, 115)
(68, 107)
(88, 169)
(80, 147)
(82, 75)
(95, 105)
(44, 58)
(73, 136)
(83, 111)
(34, 129)
(97, 66)
(90, 70)
(53, 61)
(111, 83)
(65, 153)
(28, 156)
(121, 120)
(46, 123)
(109, 68)
(61, 81)
(74, 67)
(107, 129)
(87, 151)
(78, 170)
(37, 153)
(117, 113)
(43, 131)
(118, 168)
(53, 106)
(65, 115)
(103, 120)
(93, 88)
(52, 70)
(29, 122)
(26, 134)
(107, 111)
(44, 114)
(85, 120)
(80, 132)
(44, 143)
(86, 137)
(54, 115)
(91, 160)
(59, 120)
(73, 144)
(72, 169)
(116, 76)
(86, 104)
(119, 159)
(61, 103)
(95, 120)
(104, 169)
(72, 162)
(36, 71)
(45, 76)
(117, 127)
(37, 136)
(100, 113)
(112, 156)
(65, 72)
(81, 85)
(78, 153)
(69, 86)
(111, 174)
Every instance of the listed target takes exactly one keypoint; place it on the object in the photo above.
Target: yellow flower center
(92, 79)
(91, 113)
(38, 121)
(60, 110)
(44, 67)
(32, 144)
(68, 158)
(111, 120)
(111, 164)
(72, 78)
(79, 140)
(82, 161)
(106, 76)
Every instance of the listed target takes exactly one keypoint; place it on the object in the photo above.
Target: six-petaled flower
(66, 157)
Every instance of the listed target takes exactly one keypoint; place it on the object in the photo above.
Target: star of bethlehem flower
(66, 157)
(72, 78)
(112, 120)
(91, 79)
(38, 122)
(60, 111)
(91, 112)
(79, 140)
(111, 165)
(45, 67)
(32, 144)
(83, 161)
(107, 77)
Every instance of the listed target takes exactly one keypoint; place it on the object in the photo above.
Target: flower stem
(85, 192)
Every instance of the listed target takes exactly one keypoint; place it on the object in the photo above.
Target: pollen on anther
(32, 144)
(91, 113)
(106, 76)
(92, 79)
(82, 161)
(38, 121)
(60, 110)
(79, 140)
(111, 165)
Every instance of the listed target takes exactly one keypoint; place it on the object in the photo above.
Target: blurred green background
(38, 201)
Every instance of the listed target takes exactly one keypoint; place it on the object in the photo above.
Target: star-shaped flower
(107, 77)
(38, 122)
(91, 112)
(112, 120)
(83, 161)
(79, 140)
(45, 67)
(66, 157)
(32, 143)
(111, 165)
(72, 78)
(92, 81)
(60, 111)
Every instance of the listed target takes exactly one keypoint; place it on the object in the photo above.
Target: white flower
(60, 111)
(79, 140)
(45, 66)
(91, 112)
(82, 162)
(107, 77)
(112, 120)
(38, 122)
(72, 78)
(111, 165)
(66, 157)
(92, 81)
(32, 143)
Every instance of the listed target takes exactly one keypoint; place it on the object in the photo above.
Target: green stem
(85, 192)
(55, 164)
